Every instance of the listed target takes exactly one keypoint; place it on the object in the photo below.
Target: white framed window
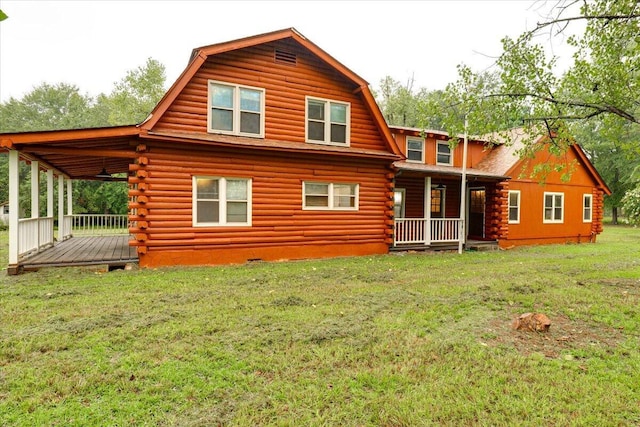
(415, 150)
(329, 196)
(328, 122)
(587, 207)
(219, 201)
(235, 109)
(443, 154)
(553, 207)
(514, 207)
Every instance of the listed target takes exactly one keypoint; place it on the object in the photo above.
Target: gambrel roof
(201, 54)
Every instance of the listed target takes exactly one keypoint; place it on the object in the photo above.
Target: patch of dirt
(564, 336)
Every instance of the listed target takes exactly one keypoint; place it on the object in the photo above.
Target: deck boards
(77, 251)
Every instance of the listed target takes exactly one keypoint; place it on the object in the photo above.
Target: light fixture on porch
(440, 186)
(103, 173)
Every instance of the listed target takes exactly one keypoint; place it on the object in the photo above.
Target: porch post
(69, 197)
(35, 189)
(463, 189)
(61, 231)
(14, 209)
(427, 210)
(50, 193)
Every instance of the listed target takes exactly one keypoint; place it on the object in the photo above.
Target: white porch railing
(413, 230)
(34, 234)
(97, 224)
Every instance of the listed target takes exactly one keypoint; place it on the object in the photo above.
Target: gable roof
(506, 155)
(200, 55)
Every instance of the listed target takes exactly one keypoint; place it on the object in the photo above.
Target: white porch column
(50, 193)
(69, 197)
(61, 230)
(427, 210)
(35, 189)
(14, 208)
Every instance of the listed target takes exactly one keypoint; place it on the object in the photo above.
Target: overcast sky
(92, 44)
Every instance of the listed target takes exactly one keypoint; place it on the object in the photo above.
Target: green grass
(397, 340)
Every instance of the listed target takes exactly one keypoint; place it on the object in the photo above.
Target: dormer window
(235, 109)
(415, 150)
(443, 154)
(328, 122)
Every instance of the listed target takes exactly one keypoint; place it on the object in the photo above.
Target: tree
(62, 106)
(133, 97)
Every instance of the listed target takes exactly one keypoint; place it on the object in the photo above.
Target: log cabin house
(267, 148)
(507, 203)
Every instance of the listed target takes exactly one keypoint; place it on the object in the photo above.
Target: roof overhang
(447, 171)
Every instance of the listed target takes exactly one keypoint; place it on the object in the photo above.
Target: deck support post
(35, 197)
(50, 192)
(427, 211)
(61, 230)
(69, 198)
(14, 211)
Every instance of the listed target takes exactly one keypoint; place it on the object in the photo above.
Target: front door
(476, 212)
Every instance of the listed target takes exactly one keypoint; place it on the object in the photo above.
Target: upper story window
(328, 122)
(443, 153)
(514, 207)
(415, 150)
(587, 207)
(553, 207)
(219, 201)
(236, 110)
(329, 196)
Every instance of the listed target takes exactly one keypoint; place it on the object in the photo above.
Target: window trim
(330, 197)
(445, 143)
(553, 208)
(222, 202)
(327, 122)
(403, 195)
(421, 141)
(517, 206)
(236, 109)
(586, 197)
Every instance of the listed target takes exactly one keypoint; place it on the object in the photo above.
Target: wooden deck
(113, 251)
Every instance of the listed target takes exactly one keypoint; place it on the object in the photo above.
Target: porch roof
(403, 165)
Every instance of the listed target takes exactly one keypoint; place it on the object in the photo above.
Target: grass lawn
(398, 340)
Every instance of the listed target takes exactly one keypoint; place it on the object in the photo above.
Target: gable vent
(283, 57)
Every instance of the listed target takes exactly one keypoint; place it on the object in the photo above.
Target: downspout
(463, 189)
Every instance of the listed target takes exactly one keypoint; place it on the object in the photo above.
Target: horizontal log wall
(286, 87)
(161, 207)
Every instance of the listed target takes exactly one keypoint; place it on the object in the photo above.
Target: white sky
(92, 44)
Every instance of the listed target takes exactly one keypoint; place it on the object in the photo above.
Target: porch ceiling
(79, 154)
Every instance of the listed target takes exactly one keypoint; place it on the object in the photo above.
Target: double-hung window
(443, 154)
(514, 207)
(587, 207)
(236, 110)
(329, 196)
(219, 201)
(553, 207)
(328, 122)
(415, 150)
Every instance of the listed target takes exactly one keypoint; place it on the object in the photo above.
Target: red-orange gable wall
(286, 87)
(532, 229)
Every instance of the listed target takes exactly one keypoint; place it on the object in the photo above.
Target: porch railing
(34, 234)
(98, 224)
(413, 230)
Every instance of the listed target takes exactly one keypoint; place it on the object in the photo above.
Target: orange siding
(532, 229)
(476, 150)
(286, 87)
(280, 228)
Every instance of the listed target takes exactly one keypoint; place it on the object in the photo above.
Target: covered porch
(428, 213)
(59, 237)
